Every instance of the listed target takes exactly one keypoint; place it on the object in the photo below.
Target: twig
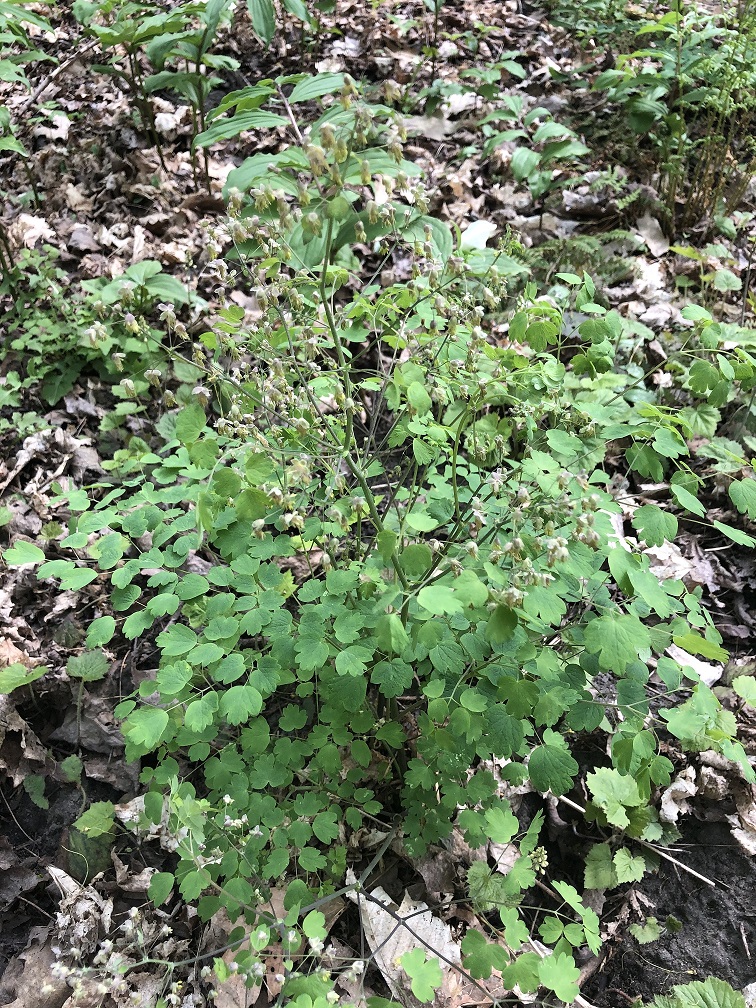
(41, 88)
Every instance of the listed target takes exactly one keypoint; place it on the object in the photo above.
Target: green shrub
(384, 541)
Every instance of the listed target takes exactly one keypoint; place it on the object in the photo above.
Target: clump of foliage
(56, 332)
(383, 540)
(176, 47)
(690, 93)
(711, 993)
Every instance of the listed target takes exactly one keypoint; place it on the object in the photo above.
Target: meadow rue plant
(376, 550)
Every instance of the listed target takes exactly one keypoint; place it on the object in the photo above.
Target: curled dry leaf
(650, 231)
(93, 727)
(12, 655)
(84, 917)
(27, 230)
(21, 752)
(674, 799)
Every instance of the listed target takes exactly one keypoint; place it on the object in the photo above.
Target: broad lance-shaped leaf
(263, 14)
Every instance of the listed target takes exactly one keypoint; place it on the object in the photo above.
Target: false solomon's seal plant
(384, 541)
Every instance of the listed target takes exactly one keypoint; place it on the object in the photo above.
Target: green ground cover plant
(688, 90)
(55, 332)
(374, 546)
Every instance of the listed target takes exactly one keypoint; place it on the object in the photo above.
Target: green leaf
(425, 974)
(480, 956)
(629, 868)
(97, 820)
(649, 931)
(616, 639)
(735, 534)
(325, 825)
(386, 541)
(744, 686)
(687, 500)
(315, 86)
(88, 666)
(240, 703)
(614, 793)
(392, 678)
(241, 122)
(655, 525)
(135, 625)
(17, 675)
(524, 162)
(391, 635)
(11, 143)
(419, 399)
(416, 559)
(144, 727)
(352, 661)
(470, 590)
(694, 643)
(23, 552)
(743, 496)
(702, 419)
(501, 824)
(263, 14)
(439, 600)
(34, 785)
(504, 733)
(421, 522)
(552, 768)
(725, 280)
(72, 768)
(100, 631)
(501, 625)
(314, 925)
(177, 640)
(190, 422)
(192, 586)
(160, 887)
(298, 9)
(310, 860)
(709, 993)
(200, 714)
(600, 872)
(559, 973)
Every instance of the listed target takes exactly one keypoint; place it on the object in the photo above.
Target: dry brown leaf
(27, 230)
(389, 939)
(84, 917)
(76, 199)
(674, 799)
(28, 981)
(21, 752)
(649, 229)
(12, 655)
